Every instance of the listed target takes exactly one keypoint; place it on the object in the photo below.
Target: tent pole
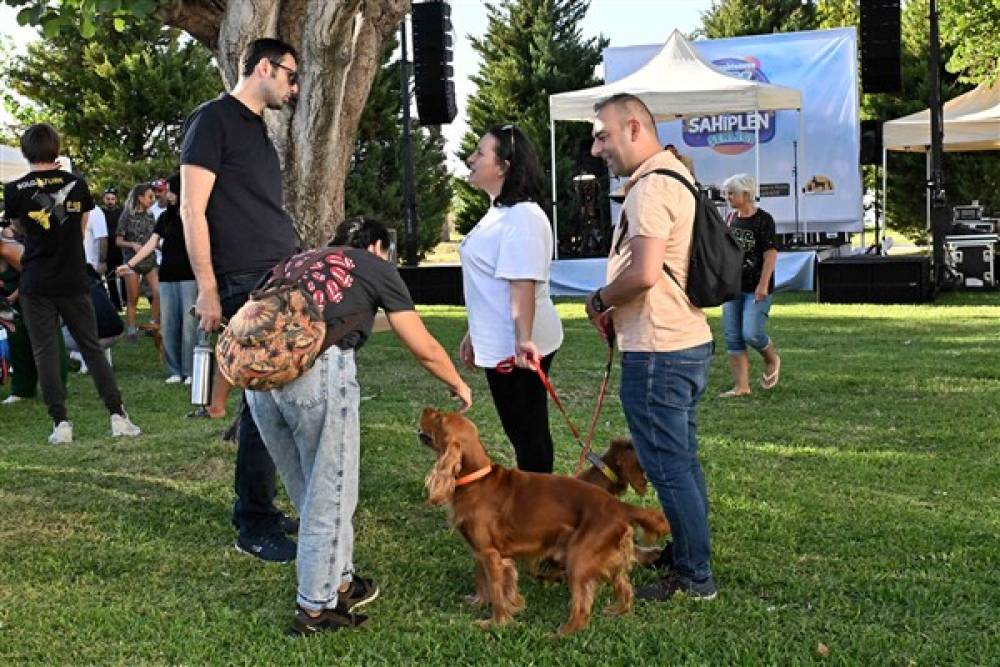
(927, 191)
(885, 197)
(555, 208)
(756, 148)
(802, 165)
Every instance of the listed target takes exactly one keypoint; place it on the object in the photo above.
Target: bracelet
(596, 302)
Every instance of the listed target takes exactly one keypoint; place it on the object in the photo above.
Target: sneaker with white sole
(62, 434)
(359, 592)
(187, 381)
(11, 400)
(122, 426)
(174, 379)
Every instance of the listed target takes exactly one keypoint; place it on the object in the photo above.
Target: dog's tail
(651, 522)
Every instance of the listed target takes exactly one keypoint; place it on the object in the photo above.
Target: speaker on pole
(432, 57)
(871, 142)
(881, 71)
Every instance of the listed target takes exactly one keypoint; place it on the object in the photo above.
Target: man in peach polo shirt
(665, 340)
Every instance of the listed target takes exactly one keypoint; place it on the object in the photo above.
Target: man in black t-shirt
(236, 229)
(51, 206)
(112, 212)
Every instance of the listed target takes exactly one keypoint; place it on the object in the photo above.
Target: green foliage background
(531, 49)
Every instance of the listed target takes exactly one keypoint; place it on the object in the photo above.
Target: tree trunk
(339, 44)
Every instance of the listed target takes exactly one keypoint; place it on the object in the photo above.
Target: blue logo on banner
(732, 134)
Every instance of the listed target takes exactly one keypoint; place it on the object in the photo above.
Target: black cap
(110, 191)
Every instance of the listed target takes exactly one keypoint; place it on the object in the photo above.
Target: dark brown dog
(506, 514)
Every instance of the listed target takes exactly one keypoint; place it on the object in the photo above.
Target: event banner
(822, 64)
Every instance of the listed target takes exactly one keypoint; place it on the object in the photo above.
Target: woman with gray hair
(744, 319)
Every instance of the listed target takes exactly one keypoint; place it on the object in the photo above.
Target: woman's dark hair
(40, 143)
(360, 232)
(173, 211)
(525, 179)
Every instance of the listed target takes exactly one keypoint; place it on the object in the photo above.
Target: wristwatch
(596, 302)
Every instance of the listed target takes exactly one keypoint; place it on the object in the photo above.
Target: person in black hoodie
(51, 206)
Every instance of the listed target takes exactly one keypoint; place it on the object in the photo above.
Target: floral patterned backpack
(279, 332)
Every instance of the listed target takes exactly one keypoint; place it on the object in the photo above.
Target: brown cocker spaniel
(506, 514)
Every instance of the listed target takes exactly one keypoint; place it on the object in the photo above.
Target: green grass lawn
(856, 507)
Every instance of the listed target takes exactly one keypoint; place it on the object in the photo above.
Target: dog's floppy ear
(440, 480)
(628, 464)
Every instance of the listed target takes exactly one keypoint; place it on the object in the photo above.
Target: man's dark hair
(360, 232)
(267, 47)
(629, 103)
(524, 179)
(40, 143)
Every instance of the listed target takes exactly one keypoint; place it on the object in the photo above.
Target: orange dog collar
(473, 476)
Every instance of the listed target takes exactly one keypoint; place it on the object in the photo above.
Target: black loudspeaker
(871, 142)
(439, 285)
(875, 279)
(432, 56)
(881, 71)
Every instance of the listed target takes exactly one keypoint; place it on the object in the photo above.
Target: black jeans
(254, 513)
(523, 406)
(41, 317)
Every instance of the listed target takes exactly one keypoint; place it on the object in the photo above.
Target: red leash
(508, 366)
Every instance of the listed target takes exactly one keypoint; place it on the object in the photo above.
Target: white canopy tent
(677, 82)
(971, 123)
(13, 165)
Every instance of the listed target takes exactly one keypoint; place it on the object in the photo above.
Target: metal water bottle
(201, 373)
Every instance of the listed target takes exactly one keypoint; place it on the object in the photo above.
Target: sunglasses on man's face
(293, 74)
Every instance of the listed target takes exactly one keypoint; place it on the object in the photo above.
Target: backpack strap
(335, 334)
(624, 222)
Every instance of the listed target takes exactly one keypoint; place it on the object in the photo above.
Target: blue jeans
(178, 327)
(660, 393)
(744, 322)
(312, 430)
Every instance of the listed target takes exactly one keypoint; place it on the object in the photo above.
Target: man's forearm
(199, 249)
(631, 283)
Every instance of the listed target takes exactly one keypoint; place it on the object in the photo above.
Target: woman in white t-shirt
(505, 272)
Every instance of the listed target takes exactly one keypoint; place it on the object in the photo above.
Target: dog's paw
(617, 609)
(476, 600)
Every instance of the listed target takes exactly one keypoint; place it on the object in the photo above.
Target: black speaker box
(871, 142)
(881, 71)
(875, 279)
(432, 56)
(439, 285)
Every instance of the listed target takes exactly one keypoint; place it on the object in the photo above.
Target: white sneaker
(122, 426)
(11, 400)
(187, 381)
(174, 379)
(62, 434)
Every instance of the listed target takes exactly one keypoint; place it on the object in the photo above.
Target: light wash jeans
(311, 429)
(660, 393)
(178, 327)
(744, 322)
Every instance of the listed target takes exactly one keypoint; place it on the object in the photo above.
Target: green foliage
(734, 18)
(968, 176)
(531, 49)
(118, 98)
(855, 506)
(971, 26)
(375, 181)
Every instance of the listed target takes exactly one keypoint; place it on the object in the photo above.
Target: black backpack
(715, 272)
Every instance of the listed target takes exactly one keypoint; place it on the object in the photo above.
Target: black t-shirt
(111, 216)
(53, 263)
(755, 234)
(174, 264)
(248, 227)
(355, 281)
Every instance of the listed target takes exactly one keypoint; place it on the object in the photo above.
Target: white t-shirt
(97, 229)
(508, 243)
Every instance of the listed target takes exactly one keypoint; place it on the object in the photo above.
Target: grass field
(855, 515)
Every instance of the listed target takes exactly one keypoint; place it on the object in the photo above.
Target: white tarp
(822, 64)
(676, 81)
(971, 123)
